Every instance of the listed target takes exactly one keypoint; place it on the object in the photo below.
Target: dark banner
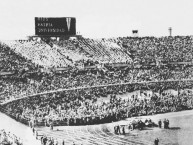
(55, 26)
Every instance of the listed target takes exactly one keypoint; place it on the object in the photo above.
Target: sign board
(55, 26)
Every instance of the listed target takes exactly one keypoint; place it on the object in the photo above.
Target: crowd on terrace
(93, 95)
(64, 53)
(165, 49)
(7, 138)
(29, 84)
(11, 61)
(84, 106)
(27, 58)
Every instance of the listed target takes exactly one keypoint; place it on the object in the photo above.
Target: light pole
(170, 31)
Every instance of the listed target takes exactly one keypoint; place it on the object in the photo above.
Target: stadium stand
(63, 82)
(65, 53)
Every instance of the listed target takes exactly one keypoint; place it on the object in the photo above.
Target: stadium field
(180, 133)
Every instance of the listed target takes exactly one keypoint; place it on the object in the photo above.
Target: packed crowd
(7, 138)
(63, 53)
(82, 102)
(11, 61)
(165, 49)
(28, 55)
(39, 53)
(29, 84)
(81, 106)
(23, 57)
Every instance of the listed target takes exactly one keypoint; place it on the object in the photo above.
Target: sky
(99, 18)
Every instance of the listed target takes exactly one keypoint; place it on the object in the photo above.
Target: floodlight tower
(170, 31)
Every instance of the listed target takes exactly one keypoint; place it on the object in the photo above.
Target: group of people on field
(7, 138)
(165, 123)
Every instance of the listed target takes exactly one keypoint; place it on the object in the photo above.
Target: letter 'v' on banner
(68, 20)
